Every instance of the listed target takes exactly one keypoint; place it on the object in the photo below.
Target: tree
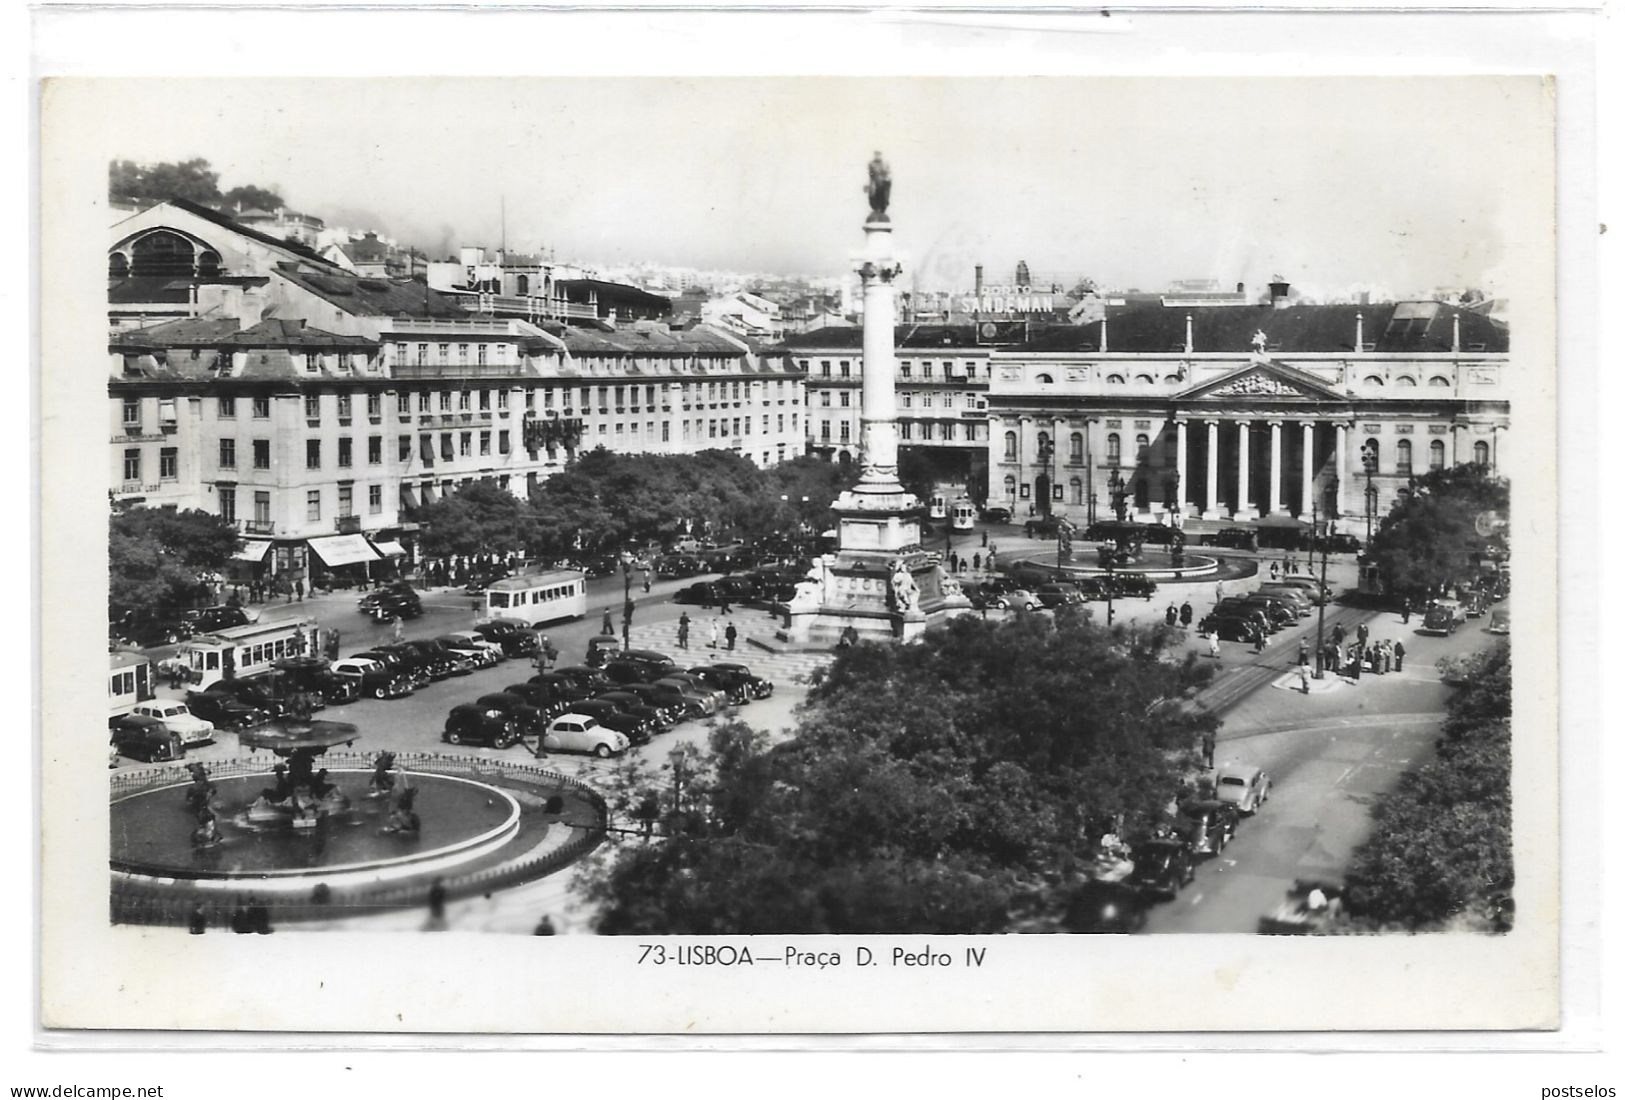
(155, 556)
(927, 787)
(1435, 534)
(191, 179)
(249, 197)
(482, 518)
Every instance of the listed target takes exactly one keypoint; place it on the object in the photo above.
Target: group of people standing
(731, 634)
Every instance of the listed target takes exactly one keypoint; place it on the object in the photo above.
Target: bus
(131, 680)
(964, 514)
(538, 598)
(244, 650)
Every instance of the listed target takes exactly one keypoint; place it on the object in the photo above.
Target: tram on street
(964, 514)
(244, 650)
(939, 506)
(538, 598)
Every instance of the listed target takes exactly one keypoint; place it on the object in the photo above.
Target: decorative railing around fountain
(136, 902)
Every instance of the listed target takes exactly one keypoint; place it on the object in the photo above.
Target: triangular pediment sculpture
(1265, 380)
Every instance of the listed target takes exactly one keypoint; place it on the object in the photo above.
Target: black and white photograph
(807, 524)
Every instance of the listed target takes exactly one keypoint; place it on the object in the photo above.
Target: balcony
(257, 526)
(410, 371)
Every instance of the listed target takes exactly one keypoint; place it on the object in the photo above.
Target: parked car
(145, 631)
(410, 670)
(393, 604)
(1059, 595)
(1296, 598)
(531, 718)
(1234, 538)
(679, 565)
(373, 678)
(736, 679)
(1229, 627)
(634, 705)
(1243, 786)
(206, 620)
(1438, 620)
(995, 515)
(1043, 527)
(516, 640)
(1500, 621)
(455, 661)
(1472, 605)
(1311, 588)
(672, 707)
(1283, 536)
(476, 724)
(548, 699)
(708, 699)
(1208, 824)
(435, 662)
(1125, 585)
(469, 641)
(590, 680)
(143, 738)
(1105, 907)
(638, 664)
(477, 655)
(1276, 612)
(193, 728)
(315, 675)
(1162, 866)
(1336, 543)
(266, 693)
(638, 730)
(582, 733)
(224, 710)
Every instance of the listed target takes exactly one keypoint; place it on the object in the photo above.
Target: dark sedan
(225, 710)
(1162, 867)
(470, 722)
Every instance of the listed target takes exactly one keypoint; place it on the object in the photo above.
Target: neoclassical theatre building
(1218, 413)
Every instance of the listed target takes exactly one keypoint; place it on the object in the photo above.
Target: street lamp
(1046, 461)
(1369, 461)
(1320, 627)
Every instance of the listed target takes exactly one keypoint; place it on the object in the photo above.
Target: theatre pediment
(1264, 381)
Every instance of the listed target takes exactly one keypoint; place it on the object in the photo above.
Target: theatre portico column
(1340, 468)
(1307, 500)
(1181, 466)
(1275, 469)
(1211, 511)
(1244, 504)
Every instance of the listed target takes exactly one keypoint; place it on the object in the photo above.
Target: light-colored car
(1242, 785)
(1293, 596)
(191, 729)
(468, 641)
(582, 733)
(1309, 586)
(1018, 599)
(1500, 621)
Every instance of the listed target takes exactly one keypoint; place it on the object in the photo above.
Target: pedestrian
(682, 631)
(1405, 610)
(1363, 634)
(1399, 656)
(722, 604)
(199, 921)
(953, 561)
(1337, 634)
(1209, 743)
(1218, 592)
(976, 559)
(608, 625)
(1303, 652)
(1275, 571)
(1172, 615)
(1258, 638)
(397, 631)
(984, 538)
(286, 589)
(1357, 655)
(648, 579)
(1303, 677)
(1186, 614)
(1213, 645)
(712, 644)
(732, 634)
(299, 588)
(1387, 657)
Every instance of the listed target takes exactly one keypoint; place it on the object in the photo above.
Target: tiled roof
(187, 332)
(648, 340)
(376, 297)
(225, 222)
(610, 292)
(279, 333)
(148, 288)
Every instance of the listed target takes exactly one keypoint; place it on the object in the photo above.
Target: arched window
(161, 253)
(1373, 379)
(1145, 379)
(1404, 380)
(1010, 447)
(1439, 380)
(1043, 441)
(1173, 379)
(1371, 456)
(1142, 448)
(1044, 379)
(1402, 457)
(208, 263)
(118, 265)
(1114, 449)
(1481, 454)
(1114, 379)
(1009, 487)
(1077, 490)
(1077, 447)
(1436, 455)
(522, 284)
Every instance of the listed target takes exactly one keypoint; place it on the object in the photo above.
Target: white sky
(1393, 182)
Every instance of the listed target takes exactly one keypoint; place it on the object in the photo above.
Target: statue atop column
(879, 188)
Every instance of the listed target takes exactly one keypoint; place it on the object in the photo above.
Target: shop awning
(336, 550)
(253, 550)
(409, 498)
(390, 549)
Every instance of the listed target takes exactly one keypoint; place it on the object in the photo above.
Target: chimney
(1455, 332)
(978, 282)
(1190, 344)
(1278, 293)
(1102, 332)
(1359, 333)
(1241, 288)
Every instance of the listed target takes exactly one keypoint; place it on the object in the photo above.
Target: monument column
(1212, 509)
(1275, 468)
(879, 413)
(1307, 500)
(1244, 504)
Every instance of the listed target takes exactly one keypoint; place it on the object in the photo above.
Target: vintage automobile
(582, 733)
(710, 700)
(471, 722)
(546, 698)
(1276, 613)
(1336, 543)
(1309, 907)
(995, 515)
(1438, 620)
(519, 705)
(638, 729)
(1234, 538)
(1162, 866)
(1235, 605)
(600, 649)
(479, 654)
(455, 661)
(392, 604)
(192, 728)
(1242, 785)
(273, 692)
(1473, 605)
(1059, 595)
(409, 666)
(1500, 621)
(1208, 825)
(1296, 598)
(206, 620)
(634, 705)
(1124, 585)
(732, 675)
(224, 710)
(1105, 907)
(313, 674)
(638, 664)
(672, 707)
(515, 639)
(1044, 527)
(1228, 627)
(470, 641)
(143, 738)
(373, 678)
(1018, 599)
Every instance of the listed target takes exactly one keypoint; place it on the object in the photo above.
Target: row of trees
(192, 179)
(156, 555)
(1441, 530)
(604, 500)
(940, 787)
(1440, 855)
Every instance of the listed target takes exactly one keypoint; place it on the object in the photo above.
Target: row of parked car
(1272, 607)
(634, 696)
(1022, 593)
